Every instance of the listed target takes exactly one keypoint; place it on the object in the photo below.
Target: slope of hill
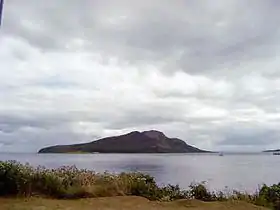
(134, 142)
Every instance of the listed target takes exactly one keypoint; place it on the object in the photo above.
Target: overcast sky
(205, 71)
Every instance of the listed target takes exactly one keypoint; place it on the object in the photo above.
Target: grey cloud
(177, 36)
(232, 45)
(31, 141)
(253, 137)
(10, 123)
(141, 118)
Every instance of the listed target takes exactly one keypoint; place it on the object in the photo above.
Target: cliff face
(134, 142)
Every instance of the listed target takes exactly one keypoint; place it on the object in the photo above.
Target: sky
(204, 71)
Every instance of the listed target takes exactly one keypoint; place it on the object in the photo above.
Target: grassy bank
(123, 202)
(21, 180)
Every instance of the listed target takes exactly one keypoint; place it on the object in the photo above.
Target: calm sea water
(243, 172)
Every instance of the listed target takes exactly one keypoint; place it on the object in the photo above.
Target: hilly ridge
(135, 142)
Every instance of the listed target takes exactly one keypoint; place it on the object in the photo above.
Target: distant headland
(272, 150)
(134, 142)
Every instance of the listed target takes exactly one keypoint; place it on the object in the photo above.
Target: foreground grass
(124, 203)
(18, 180)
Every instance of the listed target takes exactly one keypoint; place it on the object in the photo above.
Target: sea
(233, 171)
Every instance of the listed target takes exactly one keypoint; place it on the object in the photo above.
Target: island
(134, 142)
(273, 151)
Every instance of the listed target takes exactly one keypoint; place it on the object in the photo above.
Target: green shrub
(15, 178)
(142, 185)
(70, 182)
(200, 192)
(171, 192)
(269, 196)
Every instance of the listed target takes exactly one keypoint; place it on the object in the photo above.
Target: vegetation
(17, 179)
(70, 182)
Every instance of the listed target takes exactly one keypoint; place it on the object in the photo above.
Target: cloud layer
(204, 71)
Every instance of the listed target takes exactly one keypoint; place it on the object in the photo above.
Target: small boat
(221, 154)
(276, 153)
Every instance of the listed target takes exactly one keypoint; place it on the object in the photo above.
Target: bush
(269, 196)
(200, 192)
(171, 192)
(70, 182)
(14, 178)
